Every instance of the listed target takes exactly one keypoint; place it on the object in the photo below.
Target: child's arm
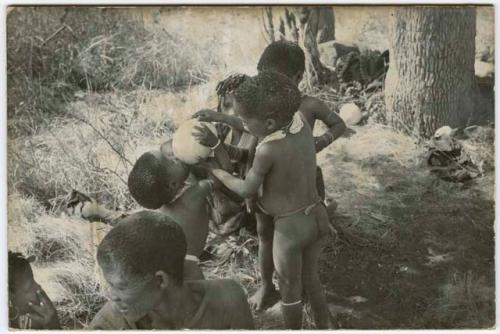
(255, 177)
(332, 120)
(90, 210)
(211, 184)
(207, 138)
(207, 115)
(236, 153)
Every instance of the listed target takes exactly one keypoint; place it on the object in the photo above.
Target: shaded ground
(421, 250)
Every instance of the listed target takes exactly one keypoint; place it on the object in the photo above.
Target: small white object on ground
(483, 69)
(350, 114)
(185, 146)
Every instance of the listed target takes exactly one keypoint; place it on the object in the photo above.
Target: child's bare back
(190, 212)
(290, 180)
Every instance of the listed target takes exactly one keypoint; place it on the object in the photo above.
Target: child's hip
(305, 225)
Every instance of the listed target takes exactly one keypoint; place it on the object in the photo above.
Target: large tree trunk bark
(307, 26)
(430, 82)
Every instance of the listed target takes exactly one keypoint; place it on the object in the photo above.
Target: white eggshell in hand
(185, 146)
(350, 114)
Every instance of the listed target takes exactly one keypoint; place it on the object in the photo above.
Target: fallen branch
(53, 35)
(103, 137)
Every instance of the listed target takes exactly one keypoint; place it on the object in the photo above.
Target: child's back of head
(268, 95)
(284, 57)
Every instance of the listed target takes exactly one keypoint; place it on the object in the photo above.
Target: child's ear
(162, 279)
(173, 185)
(270, 124)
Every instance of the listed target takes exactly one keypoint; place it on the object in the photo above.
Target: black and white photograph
(250, 167)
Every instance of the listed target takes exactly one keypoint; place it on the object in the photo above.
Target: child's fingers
(198, 130)
(36, 310)
(198, 136)
(35, 317)
(43, 298)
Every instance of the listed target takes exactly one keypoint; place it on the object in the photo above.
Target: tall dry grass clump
(53, 52)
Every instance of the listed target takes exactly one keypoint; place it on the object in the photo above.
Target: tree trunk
(430, 82)
(267, 23)
(307, 26)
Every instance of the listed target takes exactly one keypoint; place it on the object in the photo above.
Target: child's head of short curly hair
(268, 95)
(142, 243)
(283, 56)
(226, 88)
(155, 179)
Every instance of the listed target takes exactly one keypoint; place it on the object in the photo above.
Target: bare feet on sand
(264, 298)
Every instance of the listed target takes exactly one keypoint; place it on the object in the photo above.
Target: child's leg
(266, 295)
(310, 274)
(313, 287)
(292, 234)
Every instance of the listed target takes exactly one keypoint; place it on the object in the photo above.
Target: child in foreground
(142, 260)
(29, 305)
(267, 105)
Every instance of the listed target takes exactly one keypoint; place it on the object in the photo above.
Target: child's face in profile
(24, 292)
(177, 170)
(227, 104)
(256, 126)
(132, 296)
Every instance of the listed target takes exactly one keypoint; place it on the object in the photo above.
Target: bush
(53, 52)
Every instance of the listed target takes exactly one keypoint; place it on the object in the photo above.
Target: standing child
(283, 175)
(288, 58)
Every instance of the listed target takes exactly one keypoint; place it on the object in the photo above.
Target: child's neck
(177, 308)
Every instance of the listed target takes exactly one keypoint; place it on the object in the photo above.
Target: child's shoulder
(222, 287)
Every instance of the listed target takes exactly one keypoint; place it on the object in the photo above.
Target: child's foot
(264, 298)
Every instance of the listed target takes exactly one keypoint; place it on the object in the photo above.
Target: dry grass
(54, 53)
